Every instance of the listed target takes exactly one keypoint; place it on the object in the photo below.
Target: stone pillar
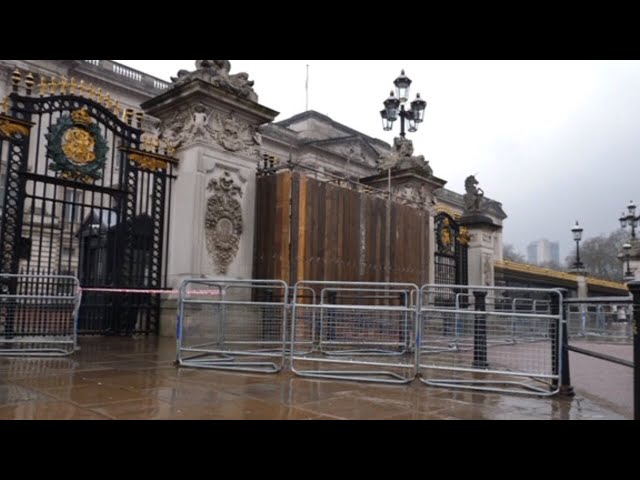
(213, 120)
(583, 288)
(483, 233)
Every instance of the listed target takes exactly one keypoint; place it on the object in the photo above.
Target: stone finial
(401, 157)
(217, 73)
(474, 196)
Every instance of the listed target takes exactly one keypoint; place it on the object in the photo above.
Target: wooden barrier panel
(308, 229)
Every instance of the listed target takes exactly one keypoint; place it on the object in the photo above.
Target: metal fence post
(554, 334)
(266, 314)
(565, 370)
(634, 288)
(480, 331)
(332, 298)
(402, 334)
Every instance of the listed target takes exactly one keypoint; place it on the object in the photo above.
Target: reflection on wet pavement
(117, 378)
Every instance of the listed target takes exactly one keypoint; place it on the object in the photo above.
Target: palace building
(132, 184)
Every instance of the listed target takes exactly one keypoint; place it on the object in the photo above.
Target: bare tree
(510, 253)
(600, 255)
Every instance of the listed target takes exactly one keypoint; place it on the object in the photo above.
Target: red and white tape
(152, 292)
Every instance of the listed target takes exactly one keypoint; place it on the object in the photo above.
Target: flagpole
(306, 87)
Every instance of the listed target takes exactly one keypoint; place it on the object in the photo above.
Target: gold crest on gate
(77, 148)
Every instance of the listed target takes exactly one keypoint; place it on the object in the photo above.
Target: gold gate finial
(42, 86)
(30, 82)
(53, 85)
(128, 115)
(16, 77)
(63, 85)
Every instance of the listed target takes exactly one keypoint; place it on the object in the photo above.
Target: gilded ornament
(77, 148)
(147, 161)
(78, 145)
(9, 129)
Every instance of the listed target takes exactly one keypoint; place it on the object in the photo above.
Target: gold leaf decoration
(9, 129)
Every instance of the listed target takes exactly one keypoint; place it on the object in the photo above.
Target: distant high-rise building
(543, 251)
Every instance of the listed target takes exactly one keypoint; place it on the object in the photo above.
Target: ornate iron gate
(86, 194)
(451, 251)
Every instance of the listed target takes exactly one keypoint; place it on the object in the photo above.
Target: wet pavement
(603, 382)
(119, 378)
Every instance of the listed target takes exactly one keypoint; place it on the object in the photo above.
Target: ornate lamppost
(577, 236)
(630, 220)
(630, 249)
(394, 108)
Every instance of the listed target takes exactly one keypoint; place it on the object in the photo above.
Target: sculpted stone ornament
(230, 135)
(487, 271)
(223, 221)
(354, 152)
(256, 135)
(401, 158)
(217, 73)
(416, 193)
(188, 126)
(198, 124)
(474, 196)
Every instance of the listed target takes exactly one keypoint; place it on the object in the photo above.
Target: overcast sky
(554, 141)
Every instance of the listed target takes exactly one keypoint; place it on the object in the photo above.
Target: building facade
(179, 177)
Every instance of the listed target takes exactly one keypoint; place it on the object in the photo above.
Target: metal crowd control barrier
(38, 315)
(354, 331)
(306, 343)
(600, 319)
(526, 305)
(481, 342)
(237, 325)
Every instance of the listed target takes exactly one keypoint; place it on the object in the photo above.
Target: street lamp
(577, 236)
(394, 107)
(630, 219)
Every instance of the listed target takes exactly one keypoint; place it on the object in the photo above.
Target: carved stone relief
(223, 221)
(412, 193)
(354, 152)
(198, 124)
(487, 270)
